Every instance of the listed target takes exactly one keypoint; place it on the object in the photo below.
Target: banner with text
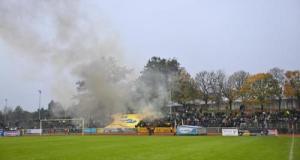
(12, 133)
(188, 130)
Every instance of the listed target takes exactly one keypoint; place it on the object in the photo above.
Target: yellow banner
(100, 130)
(142, 130)
(163, 130)
(125, 121)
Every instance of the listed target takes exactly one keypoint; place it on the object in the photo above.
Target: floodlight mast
(82, 133)
(5, 112)
(40, 99)
(41, 129)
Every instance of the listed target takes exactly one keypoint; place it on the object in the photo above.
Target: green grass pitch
(147, 147)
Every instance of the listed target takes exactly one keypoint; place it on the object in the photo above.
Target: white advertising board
(272, 132)
(33, 131)
(230, 132)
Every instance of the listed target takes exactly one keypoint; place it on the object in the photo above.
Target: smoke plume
(79, 47)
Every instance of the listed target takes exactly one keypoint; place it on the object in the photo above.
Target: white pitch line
(291, 155)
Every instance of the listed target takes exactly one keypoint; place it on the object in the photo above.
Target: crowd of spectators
(241, 119)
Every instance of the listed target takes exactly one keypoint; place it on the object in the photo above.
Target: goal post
(62, 125)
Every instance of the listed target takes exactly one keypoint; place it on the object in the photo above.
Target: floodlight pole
(6, 102)
(40, 97)
(171, 102)
(41, 129)
(5, 109)
(82, 133)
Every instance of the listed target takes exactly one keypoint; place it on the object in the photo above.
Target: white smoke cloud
(78, 46)
(58, 33)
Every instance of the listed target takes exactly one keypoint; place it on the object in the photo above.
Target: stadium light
(40, 95)
(5, 111)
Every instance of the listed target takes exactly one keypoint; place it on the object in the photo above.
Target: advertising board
(163, 130)
(230, 132)
(90, 130)
(120, 130)
(33, 131)
(100, 130)
(188, 130)
(12, 133)
(272, 132)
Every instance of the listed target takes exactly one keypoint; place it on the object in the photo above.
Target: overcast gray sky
(250, 35)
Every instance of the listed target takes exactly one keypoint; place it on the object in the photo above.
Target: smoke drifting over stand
(78, 47)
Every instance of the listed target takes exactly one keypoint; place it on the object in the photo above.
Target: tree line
(20, 118)
(166, 80)
(217, 87)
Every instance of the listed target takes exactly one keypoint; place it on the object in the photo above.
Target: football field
(149, 147)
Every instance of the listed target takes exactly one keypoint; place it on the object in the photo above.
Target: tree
(217, 85)
(210, 85)
(18, 116)
(162, 65)
(158, 79)
(278, 75)
(204, 85)
(259, 88)
(233, 85)
(186, 89)
(292, 85)
(55, 110)
(203, 82)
